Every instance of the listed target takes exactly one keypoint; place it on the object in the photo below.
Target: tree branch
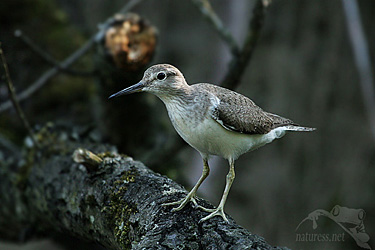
(208, 12)
(48, 58)
(238, 63)
(118, 205)
(43, 79)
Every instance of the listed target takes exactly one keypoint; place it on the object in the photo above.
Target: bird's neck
(179, 95)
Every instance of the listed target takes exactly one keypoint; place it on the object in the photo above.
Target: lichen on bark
(118, 205)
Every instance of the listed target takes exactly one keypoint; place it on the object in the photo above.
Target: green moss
(119, 211)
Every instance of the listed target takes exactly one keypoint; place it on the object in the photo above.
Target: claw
(182, 203)
(218, 211)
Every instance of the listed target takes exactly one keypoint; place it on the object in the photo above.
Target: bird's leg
(220, 209)
(191, 195)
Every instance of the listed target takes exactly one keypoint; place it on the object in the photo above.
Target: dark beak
(129, 90)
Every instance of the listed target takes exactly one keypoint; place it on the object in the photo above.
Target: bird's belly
(209, 137)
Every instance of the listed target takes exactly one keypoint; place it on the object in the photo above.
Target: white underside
(210, 138)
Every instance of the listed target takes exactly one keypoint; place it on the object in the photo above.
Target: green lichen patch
(118, 210)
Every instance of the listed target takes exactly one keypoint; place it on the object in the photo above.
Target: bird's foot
(210, 210)
(182, 203)
(214, 212)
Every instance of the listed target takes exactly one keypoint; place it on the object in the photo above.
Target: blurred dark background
(303, 68)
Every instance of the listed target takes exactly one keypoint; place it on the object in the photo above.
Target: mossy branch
(116, 204)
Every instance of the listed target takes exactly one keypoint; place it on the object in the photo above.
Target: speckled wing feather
(238, 113)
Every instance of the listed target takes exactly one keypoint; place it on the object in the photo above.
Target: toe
(181, 206)
(182, 203)
(210, 210)
(171, 203)
(216, 212)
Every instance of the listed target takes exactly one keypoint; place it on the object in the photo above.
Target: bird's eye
(161, 76)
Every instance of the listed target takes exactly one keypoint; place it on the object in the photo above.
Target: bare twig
(48, 58)
(43, 79)
(208, 12)
(238, 64)
(12, 94)
(49, 74)
(361, 57)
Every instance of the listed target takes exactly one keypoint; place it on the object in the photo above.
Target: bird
(214, 121)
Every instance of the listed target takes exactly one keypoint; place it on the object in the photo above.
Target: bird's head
(160, 80)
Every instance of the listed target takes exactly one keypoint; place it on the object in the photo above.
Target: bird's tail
(298, 128)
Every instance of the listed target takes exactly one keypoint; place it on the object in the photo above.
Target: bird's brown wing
(238, 113)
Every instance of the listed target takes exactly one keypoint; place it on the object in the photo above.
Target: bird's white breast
(209, 137)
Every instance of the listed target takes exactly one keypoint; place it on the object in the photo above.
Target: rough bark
(117, 204)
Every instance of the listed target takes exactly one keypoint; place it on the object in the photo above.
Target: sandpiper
(213, 120)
